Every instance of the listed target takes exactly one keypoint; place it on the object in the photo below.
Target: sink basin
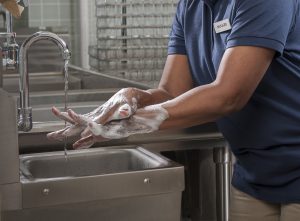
(88, 163)
(129, 184)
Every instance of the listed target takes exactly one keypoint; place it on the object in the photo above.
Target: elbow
(232, 103)
(230, 98)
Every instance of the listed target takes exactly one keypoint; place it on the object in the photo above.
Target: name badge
(222, 26)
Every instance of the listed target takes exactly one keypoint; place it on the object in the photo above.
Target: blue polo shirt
(265, 134)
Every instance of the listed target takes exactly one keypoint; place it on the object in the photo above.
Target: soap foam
(146, 120)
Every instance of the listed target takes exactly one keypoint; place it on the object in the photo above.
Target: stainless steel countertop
(200, 137)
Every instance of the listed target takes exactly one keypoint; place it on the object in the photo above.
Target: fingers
(79, 119)
(71, 116)
(62, 115)
(57, 135)
(69, 131)
(84, 143)
(73, 131)
(106, 115)
(92, 125)
(86, 132)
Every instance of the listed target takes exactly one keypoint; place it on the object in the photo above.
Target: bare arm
(176, 80)
(240, 72)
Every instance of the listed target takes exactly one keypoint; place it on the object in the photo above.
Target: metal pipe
(84, 32)
(4, 49)
(9, 24)
(222, 159)
(10, 48)
(25, 111)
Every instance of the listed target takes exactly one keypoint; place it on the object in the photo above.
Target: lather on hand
(120, 106)
(144, 120)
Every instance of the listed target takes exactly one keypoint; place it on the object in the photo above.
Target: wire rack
(132, 38)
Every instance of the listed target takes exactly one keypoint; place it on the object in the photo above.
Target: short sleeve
(176, 40)
(262, 23)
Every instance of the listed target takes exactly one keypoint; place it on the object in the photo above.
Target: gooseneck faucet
(25, 111)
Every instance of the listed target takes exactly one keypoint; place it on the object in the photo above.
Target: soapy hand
(145, 120)
(120, 106)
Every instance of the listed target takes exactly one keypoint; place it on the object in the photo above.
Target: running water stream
(66, 88)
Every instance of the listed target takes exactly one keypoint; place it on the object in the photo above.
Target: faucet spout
(25, 111)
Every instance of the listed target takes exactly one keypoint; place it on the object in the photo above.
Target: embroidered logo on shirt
(222, 26)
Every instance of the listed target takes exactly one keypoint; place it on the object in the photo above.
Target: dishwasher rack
(132, 38)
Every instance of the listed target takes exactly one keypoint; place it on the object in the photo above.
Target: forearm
(240, 71)
(197, 106)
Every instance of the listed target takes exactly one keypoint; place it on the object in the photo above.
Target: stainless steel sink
(88, 163)
(130, 184)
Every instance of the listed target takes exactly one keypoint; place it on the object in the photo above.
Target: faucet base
(25, 119)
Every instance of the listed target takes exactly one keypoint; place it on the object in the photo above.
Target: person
(236, 62)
